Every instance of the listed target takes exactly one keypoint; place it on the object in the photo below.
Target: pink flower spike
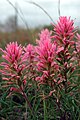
(64, 29)
(13, 66)
(45, 57)
(12, 52)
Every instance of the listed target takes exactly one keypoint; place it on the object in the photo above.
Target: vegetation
(41, 81)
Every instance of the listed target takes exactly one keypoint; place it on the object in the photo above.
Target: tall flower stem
(44, 107)
(26, 98)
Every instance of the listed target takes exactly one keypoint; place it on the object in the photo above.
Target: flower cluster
(64, 30)
(49, 62)
(64, 34)
(13, 65)
(46, 53)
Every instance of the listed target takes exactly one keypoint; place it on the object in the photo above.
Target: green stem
(45, 109)
(26, 98)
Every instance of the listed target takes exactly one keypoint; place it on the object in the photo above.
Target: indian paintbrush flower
(45, 58)
(64, 30)
(13, 66)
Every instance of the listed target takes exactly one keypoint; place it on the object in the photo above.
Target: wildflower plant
(64, 33)
(46, 52)
(13, 66)
(46, 75)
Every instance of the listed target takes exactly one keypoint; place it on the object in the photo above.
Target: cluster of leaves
(41, 82)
